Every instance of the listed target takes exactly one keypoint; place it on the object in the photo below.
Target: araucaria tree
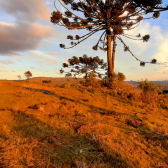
(112, 17)
(84, 65)
(28, 74)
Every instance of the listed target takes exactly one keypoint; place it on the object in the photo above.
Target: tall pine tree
(112, 17)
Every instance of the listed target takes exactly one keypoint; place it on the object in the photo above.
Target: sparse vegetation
(80, 127)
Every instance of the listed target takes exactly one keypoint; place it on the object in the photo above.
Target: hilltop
(63, 80)
(61, 125)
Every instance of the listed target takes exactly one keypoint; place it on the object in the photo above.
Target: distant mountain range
(164, 82)
(159, 83)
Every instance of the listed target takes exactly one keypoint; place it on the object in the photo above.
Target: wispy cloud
(52, 61)
(6, 62)
(53, 53)
(2, 66)
(17, 58)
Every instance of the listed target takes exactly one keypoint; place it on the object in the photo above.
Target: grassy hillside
(63, 126)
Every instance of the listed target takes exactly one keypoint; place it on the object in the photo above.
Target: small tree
(19, 77)
(28, 74)
(84, 65)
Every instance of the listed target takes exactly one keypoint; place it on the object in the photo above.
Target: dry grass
(80, 127)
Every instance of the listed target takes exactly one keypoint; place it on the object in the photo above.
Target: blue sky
(30, 42)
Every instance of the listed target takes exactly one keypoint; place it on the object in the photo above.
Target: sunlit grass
(79, 126)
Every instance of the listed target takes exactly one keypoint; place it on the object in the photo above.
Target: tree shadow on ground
(154, 138)
(95, 109)
(63, 147)
(158, 139)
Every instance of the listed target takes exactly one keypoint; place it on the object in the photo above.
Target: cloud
(6, 62)
(161, 54)
(32, 67)
(53, 53)
(41, 57)
(22, 37)
(17, 58)
(2, 66)
(52, 61)
(31, 10)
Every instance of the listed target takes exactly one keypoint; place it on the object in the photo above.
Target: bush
(65, 85)
(46, 81)
(114, 81)
(163, 101)
(81, 82)
(120, 77)
(87, 83)
(149, 87)
(150, 91)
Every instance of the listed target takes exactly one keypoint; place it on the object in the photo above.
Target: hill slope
(48, 125)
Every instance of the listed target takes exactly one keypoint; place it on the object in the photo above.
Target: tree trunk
(109, 59)
(113, 54)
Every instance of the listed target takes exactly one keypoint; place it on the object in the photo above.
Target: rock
(37, 107)
(41, 107)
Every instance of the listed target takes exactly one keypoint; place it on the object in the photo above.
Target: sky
(30, 42)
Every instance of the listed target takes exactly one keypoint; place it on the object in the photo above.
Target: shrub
(150, 91)
(81, 82)
(151, 87)
(46, 81)
(65, 85)
(121, 77)
(115, 81)
(87, 83)
(163, 101)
